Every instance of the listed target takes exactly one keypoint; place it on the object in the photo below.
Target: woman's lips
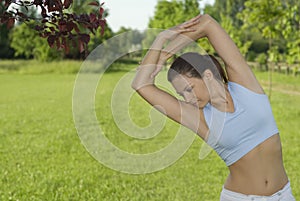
(194, 103)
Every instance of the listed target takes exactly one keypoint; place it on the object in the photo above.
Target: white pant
(284, 194)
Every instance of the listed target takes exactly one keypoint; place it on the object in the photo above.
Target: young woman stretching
(247, 138)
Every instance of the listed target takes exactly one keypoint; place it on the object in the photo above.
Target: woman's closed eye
(189, 89)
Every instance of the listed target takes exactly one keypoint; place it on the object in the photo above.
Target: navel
(266, 182)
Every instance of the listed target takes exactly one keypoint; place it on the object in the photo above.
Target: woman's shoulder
(239, 88)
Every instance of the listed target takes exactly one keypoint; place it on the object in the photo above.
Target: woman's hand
(171, 35)
(173, 32)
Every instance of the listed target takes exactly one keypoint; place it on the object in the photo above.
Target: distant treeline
(266, 31)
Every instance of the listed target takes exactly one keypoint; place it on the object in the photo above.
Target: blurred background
(266, 31)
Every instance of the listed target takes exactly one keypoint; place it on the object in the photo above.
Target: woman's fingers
(170, 35)
(196, 18)
(186, 30)
(189, 24)
(185, 27)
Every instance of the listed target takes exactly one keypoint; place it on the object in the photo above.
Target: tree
(292, 31)
(98, 38)
(168, 14)
(236, 33)
(275, 20)
(133, 41)
(264, 16)
(56, 23)
(5, 50)
(28, 44)
(79, 7)
(271, 15)
(228, 8)
(225, 12)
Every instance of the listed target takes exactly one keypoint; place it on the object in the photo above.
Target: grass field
(42, 157)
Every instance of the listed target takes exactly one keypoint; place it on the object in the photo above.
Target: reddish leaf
(67, 3)
(67, 49)
(70, 26)
(76, 28)
(62, 25)
(93, 17)
(52, 29)
(47, 33)
(102, 25)
(84, 17)
(85, 38)
(7, 3)
(54, 5)
(101, 11)
(38, 2)
(51, 40)
(81, 46)
(59, 34)
(58, 43)
(65, 46)
(44, 12)
(63, 42)
(38, 28)
(10, 23)
(95, 3)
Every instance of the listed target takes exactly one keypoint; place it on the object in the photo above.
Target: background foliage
(265, 31)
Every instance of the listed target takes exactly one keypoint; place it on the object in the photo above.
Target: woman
(245, 136)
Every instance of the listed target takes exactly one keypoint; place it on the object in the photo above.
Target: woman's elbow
(134, 86)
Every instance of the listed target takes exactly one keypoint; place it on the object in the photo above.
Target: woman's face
(192, 89)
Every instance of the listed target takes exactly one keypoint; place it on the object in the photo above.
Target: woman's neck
(220, 97)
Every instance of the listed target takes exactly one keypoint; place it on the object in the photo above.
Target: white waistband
(250, 197)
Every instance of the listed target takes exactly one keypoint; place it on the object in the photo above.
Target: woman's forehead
(180, 82)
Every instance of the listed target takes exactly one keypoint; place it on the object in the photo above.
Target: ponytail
(220, 69)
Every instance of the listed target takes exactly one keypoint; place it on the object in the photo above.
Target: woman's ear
(208, 75)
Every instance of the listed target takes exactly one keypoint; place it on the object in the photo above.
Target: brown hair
(194, 64)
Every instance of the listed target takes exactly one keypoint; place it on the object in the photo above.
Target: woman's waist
(259, 172)
(284, 192)
(263, 186)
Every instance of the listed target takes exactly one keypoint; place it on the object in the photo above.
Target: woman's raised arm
(180, 111)
(236, 67)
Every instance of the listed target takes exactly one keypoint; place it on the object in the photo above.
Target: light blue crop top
(233, 135)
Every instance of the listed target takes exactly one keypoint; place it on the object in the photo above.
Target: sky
(133, 14)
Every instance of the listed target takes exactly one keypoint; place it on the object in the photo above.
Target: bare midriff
(259, 172)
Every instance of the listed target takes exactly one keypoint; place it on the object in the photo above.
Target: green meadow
(42, 157)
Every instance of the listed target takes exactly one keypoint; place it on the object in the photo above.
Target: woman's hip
(285, 194)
